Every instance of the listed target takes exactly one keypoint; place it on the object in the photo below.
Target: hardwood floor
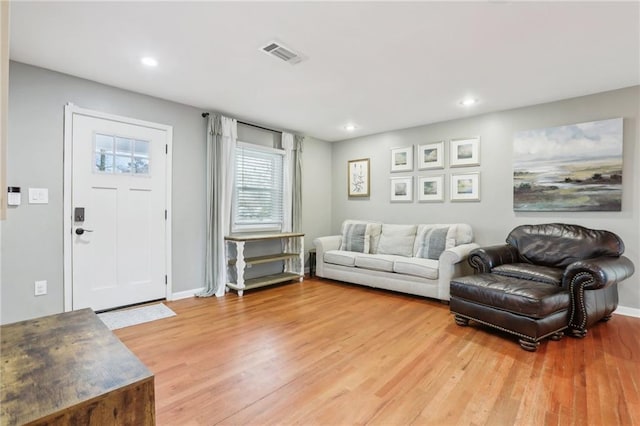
(321, 352)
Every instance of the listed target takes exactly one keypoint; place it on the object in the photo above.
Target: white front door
(118, 208)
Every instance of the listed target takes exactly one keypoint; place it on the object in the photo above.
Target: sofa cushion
(526, 271)
(426, 268)
(378, 262)
(397, 240)
(340, 257)
(355, 238)
(432, 242)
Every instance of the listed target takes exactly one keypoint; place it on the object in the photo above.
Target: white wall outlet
(41, 288)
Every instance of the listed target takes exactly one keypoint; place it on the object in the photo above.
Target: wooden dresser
(71, 369)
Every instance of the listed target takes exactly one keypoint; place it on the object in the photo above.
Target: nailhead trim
(510, 331)
(582, 307)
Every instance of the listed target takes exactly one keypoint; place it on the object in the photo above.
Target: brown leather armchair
(540, 273)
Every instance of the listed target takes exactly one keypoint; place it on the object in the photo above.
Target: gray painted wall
(32, 234)
(493, 217)
(316, 190)
(31, 237)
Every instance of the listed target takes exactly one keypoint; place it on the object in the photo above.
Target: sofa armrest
(593, 274)
(458, 253)
(484, 259)
(322, 245)
(331, 242)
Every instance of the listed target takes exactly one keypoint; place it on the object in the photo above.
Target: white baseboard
(630, 312)
(185, 294)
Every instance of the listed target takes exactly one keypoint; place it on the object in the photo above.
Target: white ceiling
(381, 65)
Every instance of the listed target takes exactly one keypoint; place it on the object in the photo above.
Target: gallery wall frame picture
(464, 152)
(465, 187)
(359, 178)
(402, 159)
(431, 156)
(431, 189)
(401, 189)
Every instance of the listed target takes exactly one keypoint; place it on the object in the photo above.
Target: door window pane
(103, 153)
(141, 165)
(123, 164)
(141, 149)
(104, 143)
(123, 146)
(104, 162)
(114, 154)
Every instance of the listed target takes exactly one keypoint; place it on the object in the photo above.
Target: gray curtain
(297, 184)
(221, 142)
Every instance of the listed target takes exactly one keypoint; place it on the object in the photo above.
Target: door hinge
(165, 280)
(166, 148)
(165, 214)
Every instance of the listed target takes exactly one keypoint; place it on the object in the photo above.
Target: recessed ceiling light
(350, 127)
(149, 61)
(469, 102)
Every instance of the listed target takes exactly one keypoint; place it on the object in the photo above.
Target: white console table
(292, 254)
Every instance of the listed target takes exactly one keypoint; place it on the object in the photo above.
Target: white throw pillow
(397, 239)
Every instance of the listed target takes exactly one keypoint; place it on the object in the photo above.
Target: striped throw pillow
(432, 243)
(355, 238)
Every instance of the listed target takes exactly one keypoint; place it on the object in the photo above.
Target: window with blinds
(258, 188)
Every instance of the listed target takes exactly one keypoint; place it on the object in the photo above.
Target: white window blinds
(258, 188)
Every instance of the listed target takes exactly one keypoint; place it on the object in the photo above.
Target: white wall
(493, 217)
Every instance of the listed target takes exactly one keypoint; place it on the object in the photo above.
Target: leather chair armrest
(484, 259)
(601, 272)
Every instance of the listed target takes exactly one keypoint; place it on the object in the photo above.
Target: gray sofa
(415, 259)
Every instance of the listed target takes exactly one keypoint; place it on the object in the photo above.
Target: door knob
(81, 231)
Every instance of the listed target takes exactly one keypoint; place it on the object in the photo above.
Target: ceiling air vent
(277, 49)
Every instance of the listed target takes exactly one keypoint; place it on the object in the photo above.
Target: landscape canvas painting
(576, 167)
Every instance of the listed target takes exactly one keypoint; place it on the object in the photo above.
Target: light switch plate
(40, 288)
(38, 196)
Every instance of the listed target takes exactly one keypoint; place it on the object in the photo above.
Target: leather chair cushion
(526, 271)
(522, 297)
(559, 245)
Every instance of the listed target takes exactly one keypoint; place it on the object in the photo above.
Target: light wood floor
(320, 352)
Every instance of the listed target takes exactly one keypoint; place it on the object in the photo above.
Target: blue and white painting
(577, 167)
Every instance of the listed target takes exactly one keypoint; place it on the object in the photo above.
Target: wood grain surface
(322, 352)
(71, 369)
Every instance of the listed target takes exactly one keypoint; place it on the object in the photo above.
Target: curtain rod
(206, 114)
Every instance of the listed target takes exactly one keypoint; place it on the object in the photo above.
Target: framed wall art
(402, 189)
(431, 189)
(402, 159)
(464, 152)
(358, 178)
(431, 156)
(576, 167)
(465, 187)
